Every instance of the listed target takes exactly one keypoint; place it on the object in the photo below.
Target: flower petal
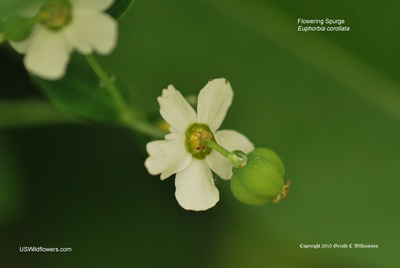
(176, 110)
(22, 46)
(195, 189)
(29, 10)
(214, 101)
(91, 4)
(92, 30)
(167, 156)
(230, 140)
(233, 140)
(48, 54)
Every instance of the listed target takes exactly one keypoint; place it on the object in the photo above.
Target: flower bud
(261, 179)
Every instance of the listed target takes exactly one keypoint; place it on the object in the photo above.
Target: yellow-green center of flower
(55, 14)
(194, 134)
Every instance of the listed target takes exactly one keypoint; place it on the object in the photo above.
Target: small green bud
(17, 28)
(261, 179)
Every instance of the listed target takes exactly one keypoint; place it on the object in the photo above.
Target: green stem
(2, 38)
(128, 116)
(143, 127)
(216, 147)
(105, 78)
(236, 158)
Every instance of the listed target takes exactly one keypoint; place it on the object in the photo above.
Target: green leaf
(9, 7)
(17, 28)
(80, 93)
(120, 8)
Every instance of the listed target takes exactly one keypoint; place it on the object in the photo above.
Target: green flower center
(55, 14)
(194, 134)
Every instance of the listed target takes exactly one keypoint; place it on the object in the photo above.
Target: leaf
(17, 28)
(9, 7)
(120, 8)
(80, 93)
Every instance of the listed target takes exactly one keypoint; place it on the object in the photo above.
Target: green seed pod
(261, 179)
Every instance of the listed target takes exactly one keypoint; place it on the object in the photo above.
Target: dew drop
(112, 79)
(215, 179)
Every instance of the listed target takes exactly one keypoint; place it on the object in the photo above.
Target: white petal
(168, 156)
(230, 140)
(92, 30)
(195, 189)
(48, 54)
(214, 101)
(233, 140)
(22, 46)
(176, 110)
(91, 4)
(219, 165)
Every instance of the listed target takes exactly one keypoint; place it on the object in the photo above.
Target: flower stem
(2, 38)
(144, 127)
(236, 158)
(127, 115)
(216, 147)
(105, 78)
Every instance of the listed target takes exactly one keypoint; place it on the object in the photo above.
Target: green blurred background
(327, 103)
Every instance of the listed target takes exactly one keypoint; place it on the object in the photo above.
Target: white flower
(181, 153)
(83, 27)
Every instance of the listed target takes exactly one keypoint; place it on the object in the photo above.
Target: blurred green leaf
(80, 93)
(17, 28)
(120, 8)
(9, 7)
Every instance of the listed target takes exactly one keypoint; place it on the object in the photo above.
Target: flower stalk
(216, 147)
(127, 115)
(236, 158)
(105, 78)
